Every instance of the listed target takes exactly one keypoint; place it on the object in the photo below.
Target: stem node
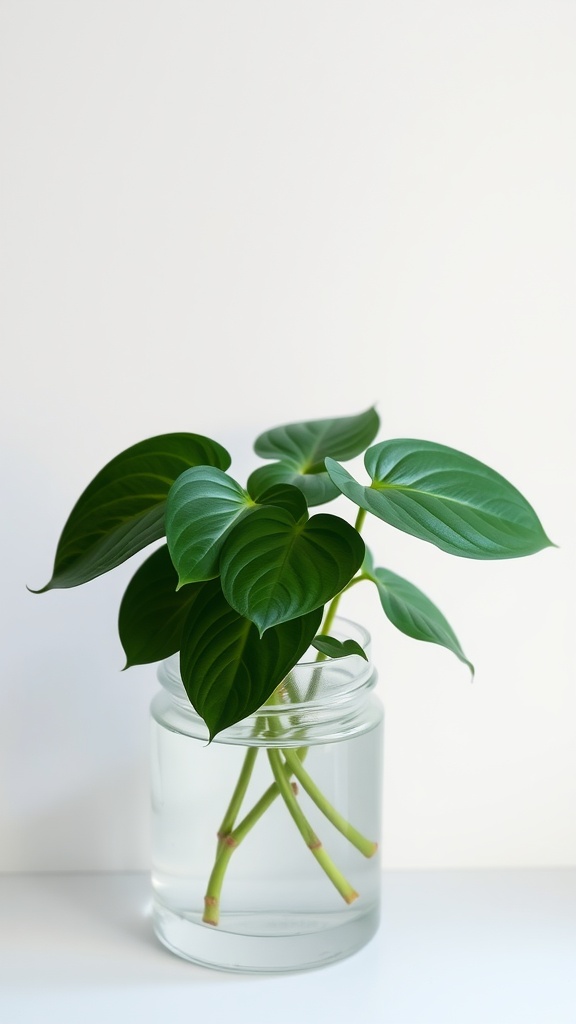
(227, 839)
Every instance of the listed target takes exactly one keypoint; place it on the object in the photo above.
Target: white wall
(220, 216)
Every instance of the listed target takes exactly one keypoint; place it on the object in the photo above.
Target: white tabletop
(469, 947)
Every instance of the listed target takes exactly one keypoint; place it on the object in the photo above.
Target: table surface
(469, 947)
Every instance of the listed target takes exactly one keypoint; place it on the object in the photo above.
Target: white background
(221, 216)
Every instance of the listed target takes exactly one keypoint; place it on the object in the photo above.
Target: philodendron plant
(248, 580)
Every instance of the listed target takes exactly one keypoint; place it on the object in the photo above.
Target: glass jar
(264, 842)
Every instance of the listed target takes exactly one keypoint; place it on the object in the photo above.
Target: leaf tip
(41, 590)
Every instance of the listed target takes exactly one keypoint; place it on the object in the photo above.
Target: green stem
(238, 795)
(230, 837)
(333, 606)
(231, 843)
(360, 519)
(214, 888)
(366, 846)
(303, 825)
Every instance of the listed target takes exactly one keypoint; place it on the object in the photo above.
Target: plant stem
(333, 606)
(237, 834)
(232, 841)
(310, 838)
(212, 898)
(366, 846)
(238, 795)
(230, 837)
(360, 519)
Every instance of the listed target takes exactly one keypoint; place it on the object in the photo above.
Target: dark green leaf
(202, 507)
(334, 648)
(414, 614)
(317, 488)
(443, 496)
(122, 509)
(152, 613)
(289, 498)
(228, 671)
(274, 569)
(300, 450)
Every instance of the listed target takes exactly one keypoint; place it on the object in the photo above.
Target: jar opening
(317, 689)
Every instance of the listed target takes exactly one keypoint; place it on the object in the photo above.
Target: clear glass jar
(284, 897)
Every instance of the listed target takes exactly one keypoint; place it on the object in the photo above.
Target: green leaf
(443, 496)
(334, 648)
(202, 507)
(152, 613)
(122, 509)
(414, 614)
(289, 498)
(228, 671)
(317, 488)
(300, 450)
(274, 569)
(306, 445)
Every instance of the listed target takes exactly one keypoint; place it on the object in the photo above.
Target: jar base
(264, 942)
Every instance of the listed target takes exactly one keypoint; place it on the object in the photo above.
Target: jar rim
(353, 675)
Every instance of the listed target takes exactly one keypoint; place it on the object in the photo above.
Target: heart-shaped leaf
(414, 614)
(306, 445)
(122, 509)
(300, 450)
(202, 507)
(334, 648)
(152, 613)
(443, 496)
(228, 671)
(274, 569)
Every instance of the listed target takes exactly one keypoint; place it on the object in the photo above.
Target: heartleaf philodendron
(440, 495)
(331, 647)
(248, 576)
(228, 670)
(203, 505)
(275, 569)
(122, 509)
(153, 611)
(301, 448)
(248, 583)
(411, 611)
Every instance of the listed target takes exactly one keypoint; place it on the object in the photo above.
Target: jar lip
(343, 625)
(361, 676)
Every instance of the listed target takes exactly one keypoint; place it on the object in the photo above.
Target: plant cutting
(239, 605)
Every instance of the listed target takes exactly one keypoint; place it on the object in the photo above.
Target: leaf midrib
(380, 486)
